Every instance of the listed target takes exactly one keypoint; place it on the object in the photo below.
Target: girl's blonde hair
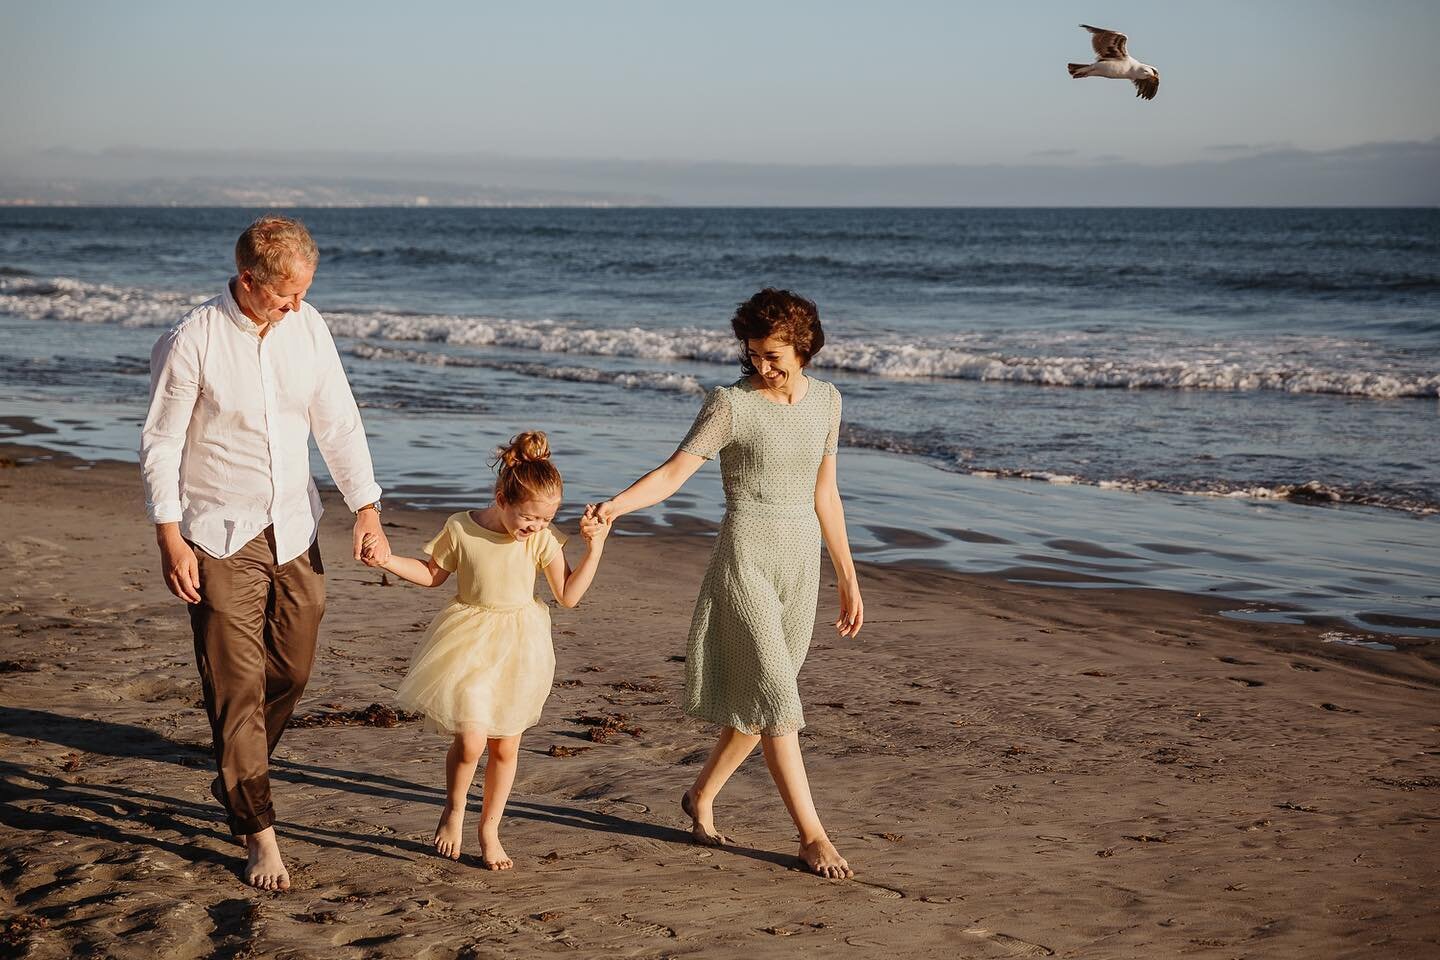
(525, 470)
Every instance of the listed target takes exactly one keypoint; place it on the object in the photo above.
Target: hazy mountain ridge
(1371, 174)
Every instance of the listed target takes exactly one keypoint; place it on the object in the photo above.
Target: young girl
(484, 668)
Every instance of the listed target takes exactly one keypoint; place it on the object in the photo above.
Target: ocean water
(1170, 375)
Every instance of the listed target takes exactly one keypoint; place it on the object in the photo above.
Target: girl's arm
(425, 573)
(657, 485)
(837, 542)
(570, 585)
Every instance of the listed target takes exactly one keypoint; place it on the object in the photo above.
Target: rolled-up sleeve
(174, 389)
(336, 425)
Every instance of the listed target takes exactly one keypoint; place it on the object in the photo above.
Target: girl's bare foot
(449, 831)
(702, 822)
(824, 860)
(264, 869)
(492, 854)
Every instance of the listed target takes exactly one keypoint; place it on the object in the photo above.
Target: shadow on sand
(128, 816)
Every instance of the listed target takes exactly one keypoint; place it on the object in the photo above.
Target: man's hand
(177, 563)
(367, 523)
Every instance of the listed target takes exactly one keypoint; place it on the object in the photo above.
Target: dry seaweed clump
(375, 715)
(603, 727)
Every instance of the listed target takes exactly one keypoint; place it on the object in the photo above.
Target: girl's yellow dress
(486, 663)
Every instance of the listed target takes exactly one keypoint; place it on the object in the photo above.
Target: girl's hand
(852, 610)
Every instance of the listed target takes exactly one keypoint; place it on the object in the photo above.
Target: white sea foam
(1116, 361)
(1354, 640)
(628, 379)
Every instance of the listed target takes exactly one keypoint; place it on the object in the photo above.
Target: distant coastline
(1390, 174)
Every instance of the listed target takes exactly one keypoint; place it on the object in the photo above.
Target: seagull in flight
(1112, 60)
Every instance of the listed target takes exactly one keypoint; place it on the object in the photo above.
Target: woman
(776, 431)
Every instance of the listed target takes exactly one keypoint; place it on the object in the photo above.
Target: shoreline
(1388, 652)
(1012, 769)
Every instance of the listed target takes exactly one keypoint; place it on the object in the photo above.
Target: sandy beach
(1014, 770)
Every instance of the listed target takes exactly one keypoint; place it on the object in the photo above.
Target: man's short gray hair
(269, 246)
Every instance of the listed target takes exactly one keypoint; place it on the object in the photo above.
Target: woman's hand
(852, 609)
(605, 512)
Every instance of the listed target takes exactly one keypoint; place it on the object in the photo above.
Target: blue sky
(776, 82)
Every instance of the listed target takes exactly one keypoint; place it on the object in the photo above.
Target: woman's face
(775, 361)
(528, 517)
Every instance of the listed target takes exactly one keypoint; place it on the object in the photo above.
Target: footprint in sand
(1245, 682)
(1009, 946)
(880, 891)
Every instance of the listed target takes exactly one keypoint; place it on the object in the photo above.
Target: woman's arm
(570, 585)
(837, 542)
(657, 485)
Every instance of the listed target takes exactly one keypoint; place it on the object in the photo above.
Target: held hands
(367, 529)
(593, 526)
(852, 610)
(368, 553)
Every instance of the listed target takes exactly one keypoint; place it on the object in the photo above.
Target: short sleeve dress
(486, 664)
(756, 611)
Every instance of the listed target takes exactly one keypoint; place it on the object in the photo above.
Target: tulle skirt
(482, 669)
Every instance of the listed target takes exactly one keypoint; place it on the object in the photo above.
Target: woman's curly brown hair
(778, 313)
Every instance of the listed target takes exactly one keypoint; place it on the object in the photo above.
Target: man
(237, 387)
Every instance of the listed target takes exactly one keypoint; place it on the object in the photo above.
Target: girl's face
(528, 517)
(775, 361)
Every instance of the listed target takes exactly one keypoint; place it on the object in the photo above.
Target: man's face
(269, 302)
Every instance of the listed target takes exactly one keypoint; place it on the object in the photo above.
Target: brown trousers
(255, 630)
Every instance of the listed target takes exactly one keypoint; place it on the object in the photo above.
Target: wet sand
(1013, 769)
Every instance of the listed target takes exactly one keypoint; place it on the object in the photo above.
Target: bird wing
(1108, 44)
(1147, 87)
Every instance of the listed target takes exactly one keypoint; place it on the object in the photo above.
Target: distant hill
(1371, 174)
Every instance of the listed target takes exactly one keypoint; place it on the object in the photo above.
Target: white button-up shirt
(225, 448)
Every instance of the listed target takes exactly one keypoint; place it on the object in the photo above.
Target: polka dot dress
(756, 610)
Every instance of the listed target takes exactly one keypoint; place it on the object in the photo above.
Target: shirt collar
(237, 316)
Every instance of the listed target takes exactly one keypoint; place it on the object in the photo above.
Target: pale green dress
(756, 610)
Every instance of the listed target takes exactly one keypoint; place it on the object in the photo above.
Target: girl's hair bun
(532, 445)
(524, 468)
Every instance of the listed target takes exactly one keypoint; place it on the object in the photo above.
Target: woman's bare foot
(264, 869)
(824, 860)
(449, 831)
(492, 854)
(702, 822)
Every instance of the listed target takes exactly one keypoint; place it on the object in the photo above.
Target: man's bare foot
(449, 831)
(492, 854)
(824, 860)
(702, 822)
(264, 869)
